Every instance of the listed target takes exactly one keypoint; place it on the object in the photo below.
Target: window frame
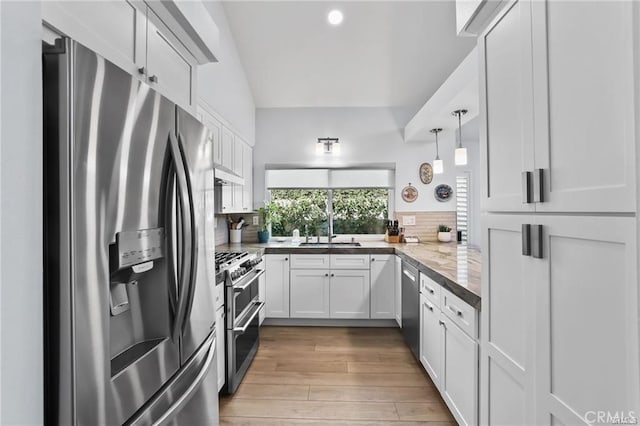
(330, 212)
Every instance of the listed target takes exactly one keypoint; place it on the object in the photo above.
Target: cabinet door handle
(536, 241)
(153, 78)
(141, 70)
(441, 322)
(527, 187)
(372, 259)
(286, 259)
(526, 239)
(538, 186)
(332, 275)
(326, 275)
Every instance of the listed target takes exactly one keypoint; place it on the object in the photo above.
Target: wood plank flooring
(334, 376)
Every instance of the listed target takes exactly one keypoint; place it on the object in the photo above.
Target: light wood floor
(334, 376)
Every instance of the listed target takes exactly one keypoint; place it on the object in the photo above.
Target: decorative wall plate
(443, 192)
(409, 193)
(426, 173)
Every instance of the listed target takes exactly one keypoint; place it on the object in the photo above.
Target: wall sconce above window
(328, 146)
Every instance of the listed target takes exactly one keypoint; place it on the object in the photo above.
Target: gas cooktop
(225, 260)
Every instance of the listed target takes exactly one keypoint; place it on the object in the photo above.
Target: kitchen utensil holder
(235, 236)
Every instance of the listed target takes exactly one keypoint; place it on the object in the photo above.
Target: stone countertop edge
(470, 296)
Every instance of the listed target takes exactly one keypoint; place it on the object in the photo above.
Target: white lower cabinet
(459, 378)
(398, 289)
(578, 285)
(277, 286)
(383, 303)
(309, 293)
(262, 290)
(349, 290)
(449, 354)
(430, 337)
(220, 340)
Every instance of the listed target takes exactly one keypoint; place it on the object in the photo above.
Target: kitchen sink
(338, 244)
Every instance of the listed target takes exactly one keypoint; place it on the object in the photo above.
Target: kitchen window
(349, 201)
(354, 211)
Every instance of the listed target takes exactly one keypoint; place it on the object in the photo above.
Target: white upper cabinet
(167, 69)
(247, 174)
(227, 148)
(238, 153)
(114, 29)
(585, 115)
(558, 123)
(132, 36)
(506, 124)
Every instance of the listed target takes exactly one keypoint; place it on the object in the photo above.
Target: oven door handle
(243, 329)
(247, 281)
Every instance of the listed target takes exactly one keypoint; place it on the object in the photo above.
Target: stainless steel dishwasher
(411, 307)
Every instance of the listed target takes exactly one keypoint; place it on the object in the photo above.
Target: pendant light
(461, 153)
(438, 165)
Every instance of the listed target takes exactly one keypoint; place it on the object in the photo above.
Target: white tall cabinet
(559, 128)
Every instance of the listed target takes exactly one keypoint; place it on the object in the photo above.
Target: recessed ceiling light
(335, 17)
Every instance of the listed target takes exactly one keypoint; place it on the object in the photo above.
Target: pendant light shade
(461, 152)
(461, 156)
(438, 165)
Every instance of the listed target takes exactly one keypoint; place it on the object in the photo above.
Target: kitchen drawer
(430, 289)
(349, 261)
(309, 261)
(459, 312)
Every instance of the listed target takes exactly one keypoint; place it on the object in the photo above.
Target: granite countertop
(456, 267)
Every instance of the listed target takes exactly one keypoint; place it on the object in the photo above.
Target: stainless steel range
(240, 272)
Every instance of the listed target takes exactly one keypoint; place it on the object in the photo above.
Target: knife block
(392, 238)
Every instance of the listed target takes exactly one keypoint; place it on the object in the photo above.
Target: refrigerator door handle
(183, 189)
(169, 222)
(193, 236)
(193, 387)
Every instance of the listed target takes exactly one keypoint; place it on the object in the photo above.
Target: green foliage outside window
(356, 211)
(360, 211)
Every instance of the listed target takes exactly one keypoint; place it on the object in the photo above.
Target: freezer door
(190, 397)
(197, 147)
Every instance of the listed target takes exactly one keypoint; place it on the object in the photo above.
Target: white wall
(21, 333)
(367, 135)
(223, 85)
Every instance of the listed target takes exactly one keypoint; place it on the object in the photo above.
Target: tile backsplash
(249, 232)
(426, 224)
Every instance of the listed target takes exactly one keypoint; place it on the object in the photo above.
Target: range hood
(224, 176)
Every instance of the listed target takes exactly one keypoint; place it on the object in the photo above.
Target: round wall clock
(426, 173)
(443, 192)
(409, 193)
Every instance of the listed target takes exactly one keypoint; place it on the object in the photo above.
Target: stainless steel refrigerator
(129, 314)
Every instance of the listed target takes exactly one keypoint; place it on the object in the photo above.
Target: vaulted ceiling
(385, 53)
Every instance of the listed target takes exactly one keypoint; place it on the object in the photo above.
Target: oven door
(243, 341)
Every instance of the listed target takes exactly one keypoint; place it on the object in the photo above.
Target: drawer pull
(326, 275)
(429, 306)
(440, 322)
(430, 290)
(459, 313)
